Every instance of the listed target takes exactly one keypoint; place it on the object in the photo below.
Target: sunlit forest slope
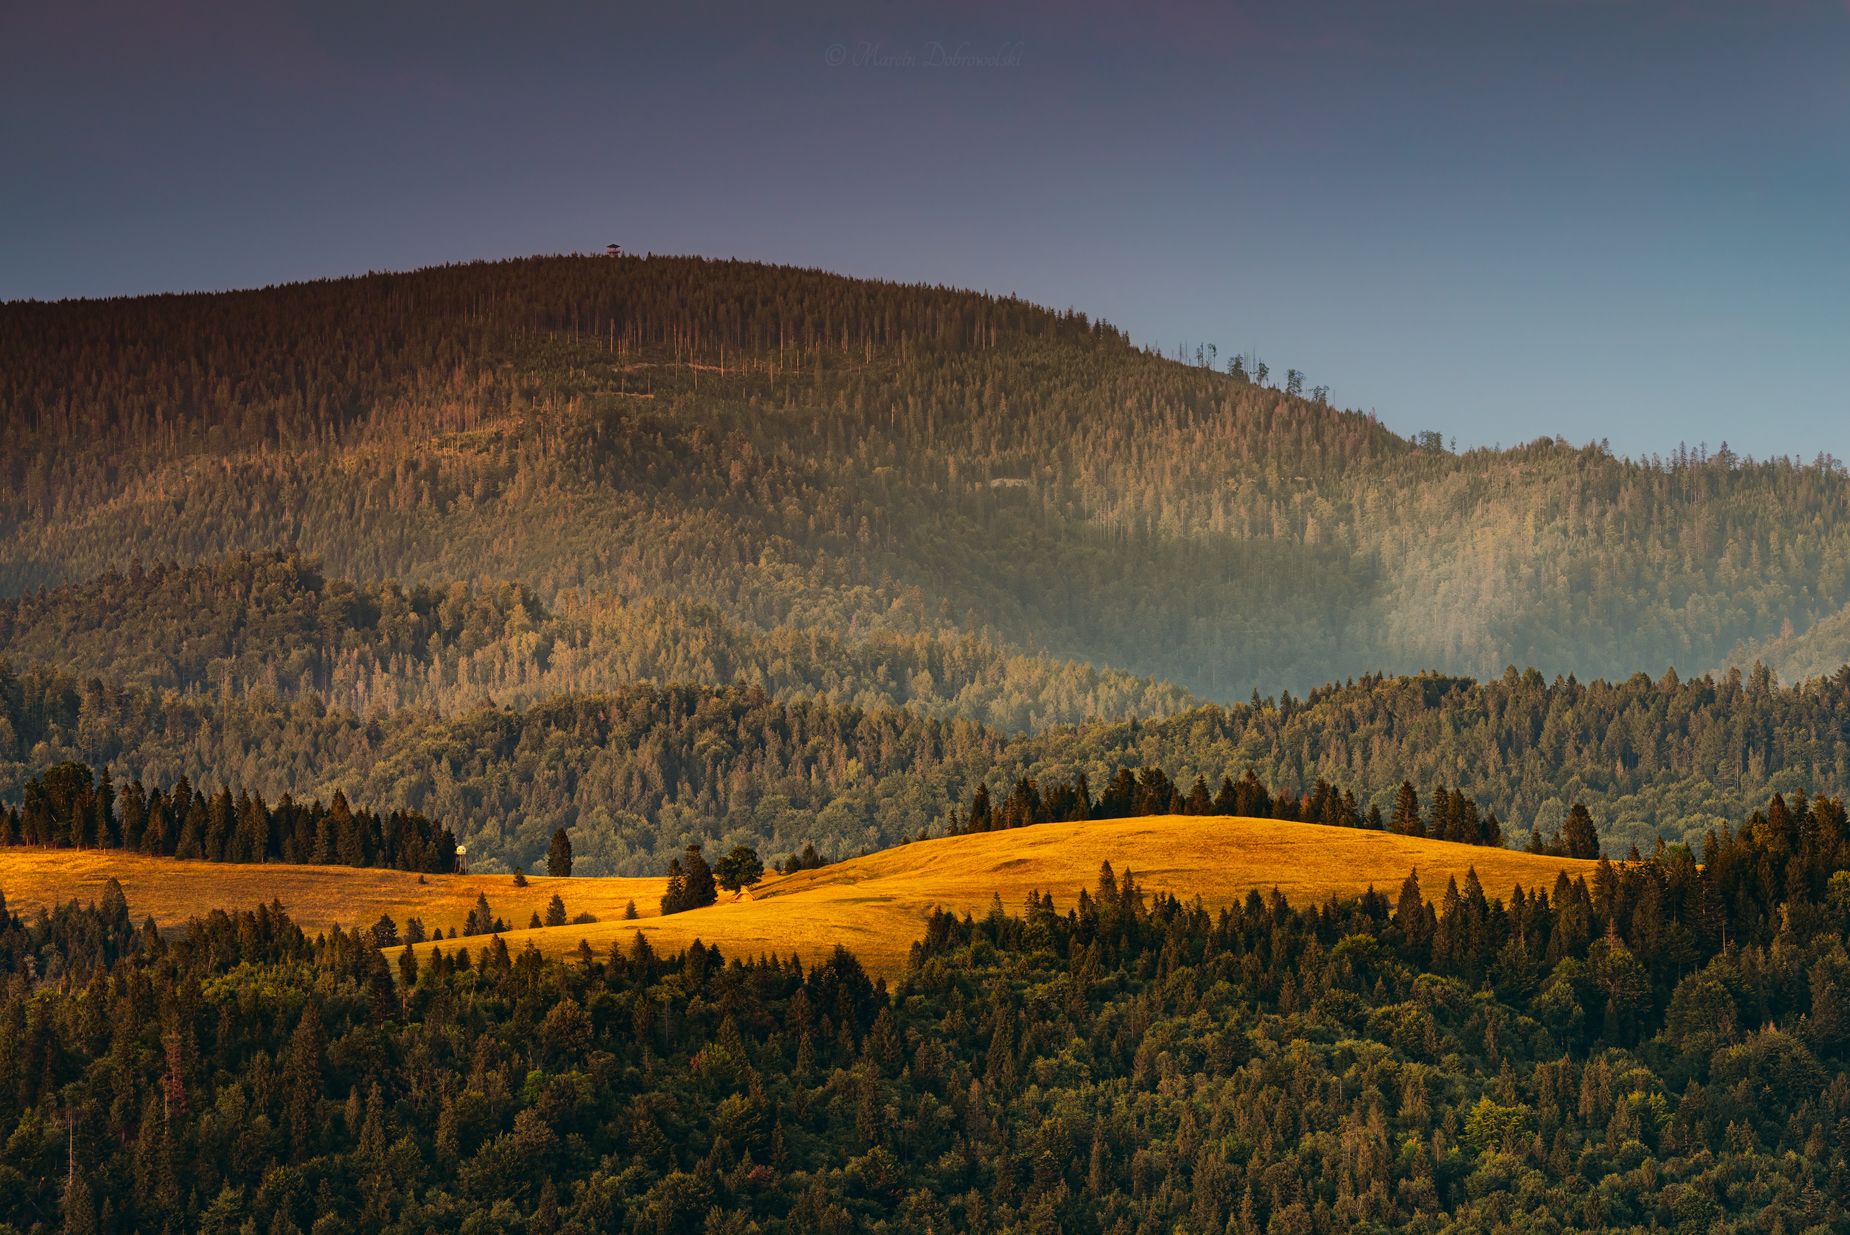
(702, 463)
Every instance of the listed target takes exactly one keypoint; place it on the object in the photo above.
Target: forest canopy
(1662, 1046)
(640, 773)
(730, 453)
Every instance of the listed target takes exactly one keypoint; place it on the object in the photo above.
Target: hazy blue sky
(1498, 218)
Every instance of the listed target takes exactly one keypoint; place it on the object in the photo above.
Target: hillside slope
(873, 905)
(276, 622)
(1818, 651)
(802, 452)
(636, 774)
(317, 898)
(876, 905)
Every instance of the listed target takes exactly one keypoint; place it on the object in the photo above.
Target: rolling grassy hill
(876, 905)
(873, 905)
(171, 891)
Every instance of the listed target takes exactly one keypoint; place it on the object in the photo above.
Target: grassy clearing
(876, 905)
(317, 897)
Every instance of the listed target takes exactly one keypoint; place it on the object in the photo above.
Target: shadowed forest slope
(735, 451)
(639, 772)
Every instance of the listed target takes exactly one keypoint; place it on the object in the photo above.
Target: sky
(1498, 219)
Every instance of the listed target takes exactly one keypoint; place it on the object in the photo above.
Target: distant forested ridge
(70, 807)
(1665, 1046)
(276, 622)
(727, 454)
(636, 774)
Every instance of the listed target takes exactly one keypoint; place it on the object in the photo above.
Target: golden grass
(317, 897)
(876, 905)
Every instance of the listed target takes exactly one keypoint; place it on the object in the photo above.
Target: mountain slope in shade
(799, 452)
(1821, 650)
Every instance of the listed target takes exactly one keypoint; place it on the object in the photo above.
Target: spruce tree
(481, 919)
(701, 887)
(559, 855)
(1579, 838)
(981, 817)
(674, 899)
(1406, 817)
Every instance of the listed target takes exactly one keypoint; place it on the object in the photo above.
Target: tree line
(637, 774)
(70, 806)
(1150, 791)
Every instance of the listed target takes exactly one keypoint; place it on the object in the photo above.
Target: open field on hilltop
(171, 891)
(876, 905)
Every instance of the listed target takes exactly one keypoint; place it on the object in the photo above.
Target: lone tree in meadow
(559, 855)
(740, 868)
(481, 919)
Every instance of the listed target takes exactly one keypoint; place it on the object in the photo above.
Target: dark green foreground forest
(1664, 1047)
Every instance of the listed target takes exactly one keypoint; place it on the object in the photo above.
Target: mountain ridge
(806, 450)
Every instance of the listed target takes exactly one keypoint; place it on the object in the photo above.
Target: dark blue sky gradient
(1500, 218)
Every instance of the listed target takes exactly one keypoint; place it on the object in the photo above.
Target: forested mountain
(666, 552)
(1794, 655)
(273, 622)
(638, 773)
(1663, 1047)
(728, 453)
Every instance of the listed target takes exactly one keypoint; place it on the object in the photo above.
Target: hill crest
(876, 905)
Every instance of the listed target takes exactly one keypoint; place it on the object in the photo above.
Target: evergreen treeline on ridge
(1664, 1045)
(636, 774)
(69, 806)
(1149, 791)
(804, 452)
